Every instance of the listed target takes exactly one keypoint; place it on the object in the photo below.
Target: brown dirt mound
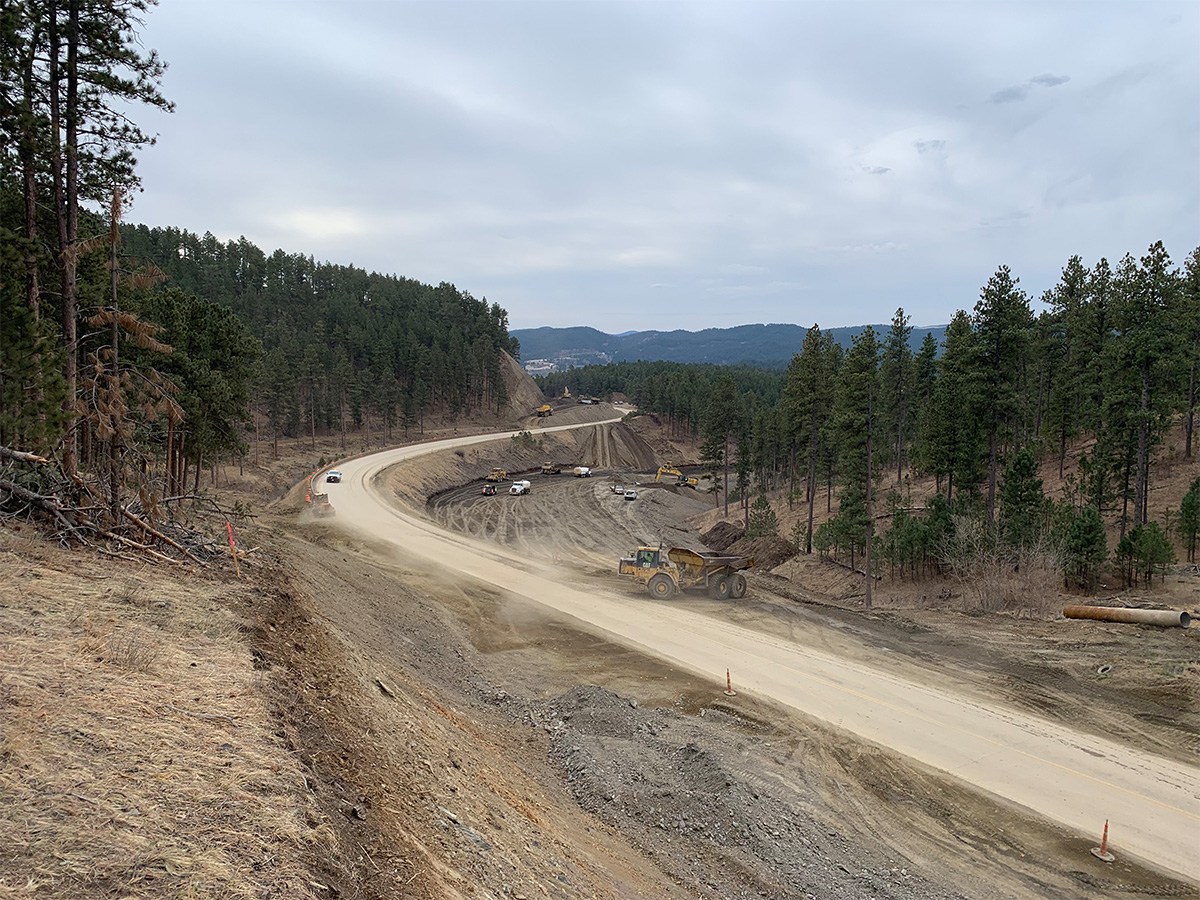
(616, 446)
(768, 552)
(723, 535)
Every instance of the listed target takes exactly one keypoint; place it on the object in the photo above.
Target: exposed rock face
(524, 396)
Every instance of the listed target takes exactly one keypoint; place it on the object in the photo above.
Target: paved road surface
(1072, 778)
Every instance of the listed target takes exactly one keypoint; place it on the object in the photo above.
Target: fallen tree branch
(143, 547)
(149, 529)
(22, 456)
(50, 504)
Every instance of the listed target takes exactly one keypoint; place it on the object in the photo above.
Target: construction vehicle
(680, 569)
(551, 468)
(322, 508)
(581, 472)
(681, 479)
(518, 488)
(544, 410)
(498, 475)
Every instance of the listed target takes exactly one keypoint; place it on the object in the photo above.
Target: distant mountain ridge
(770, 346)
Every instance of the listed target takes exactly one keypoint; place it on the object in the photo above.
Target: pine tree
(762, 521)
(1086, 547)
(1022, 502)
(1002, 326)
(721, 417)
(1189, 322)
(856, 420)
(952, 436)
(896, 384)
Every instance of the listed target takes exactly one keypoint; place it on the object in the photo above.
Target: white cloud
(831, 159)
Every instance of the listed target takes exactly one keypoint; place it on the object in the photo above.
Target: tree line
(344, 349)
(1108, 364)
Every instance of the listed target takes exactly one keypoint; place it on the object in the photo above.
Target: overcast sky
(663, 165)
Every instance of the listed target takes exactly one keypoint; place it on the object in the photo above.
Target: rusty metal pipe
(1168, 618)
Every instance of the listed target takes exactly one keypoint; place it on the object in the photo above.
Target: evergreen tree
(1022, 502)
(896, 385)
(1086, 547)
(952, 436)
(856, 419)
(1002, 326)
(1147, 360)
(1061, 358)
(807, 399)
(1189, 326)
(720, 422)
(762, 521)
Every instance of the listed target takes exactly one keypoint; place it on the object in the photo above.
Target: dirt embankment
(524, 396)
(602, 448)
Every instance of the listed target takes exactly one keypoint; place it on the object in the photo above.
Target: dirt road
(1068, 777)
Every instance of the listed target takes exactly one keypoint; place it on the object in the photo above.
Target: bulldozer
(498, 475)
(681, 479)
(544, 410)
(680, 569)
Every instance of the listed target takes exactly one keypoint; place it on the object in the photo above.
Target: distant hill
(769, 346)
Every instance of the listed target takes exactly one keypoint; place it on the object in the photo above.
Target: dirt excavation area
(345, 720)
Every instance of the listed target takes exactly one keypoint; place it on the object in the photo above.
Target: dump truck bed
(692, 559)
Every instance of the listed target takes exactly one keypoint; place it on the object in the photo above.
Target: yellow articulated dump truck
(666, 573)
(544, 410)
(498, 475)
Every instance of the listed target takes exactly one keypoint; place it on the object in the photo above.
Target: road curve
(1078, 780)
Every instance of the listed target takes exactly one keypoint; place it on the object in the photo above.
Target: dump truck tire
(661, 586)
(719, 587)
(737, 586)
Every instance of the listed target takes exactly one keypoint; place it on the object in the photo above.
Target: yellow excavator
(682, 480)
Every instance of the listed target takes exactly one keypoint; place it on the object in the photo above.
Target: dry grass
(136, 757)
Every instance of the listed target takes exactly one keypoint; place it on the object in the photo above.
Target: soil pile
(723, 535)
